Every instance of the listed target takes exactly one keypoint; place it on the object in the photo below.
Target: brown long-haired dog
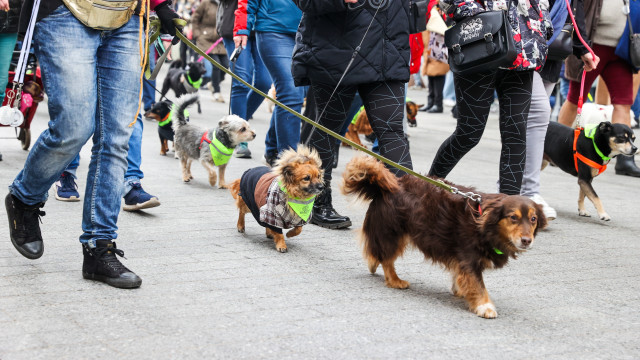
(446, 227)
(267, 193)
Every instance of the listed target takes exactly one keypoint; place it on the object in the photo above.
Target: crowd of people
(329, 52)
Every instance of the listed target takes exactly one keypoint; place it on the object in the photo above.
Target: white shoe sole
(69, 199)
(151, 203)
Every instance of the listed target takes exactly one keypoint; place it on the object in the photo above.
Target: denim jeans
(134, 158)
(284, 131)
(7, 44)
(250, 68)
(92, 80)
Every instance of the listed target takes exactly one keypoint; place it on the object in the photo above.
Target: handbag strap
(626, 4)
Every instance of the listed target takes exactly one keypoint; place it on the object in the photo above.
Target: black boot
(324, 215)
(626, 166)
(24, 227)
(435, 109)
(426, 107)
(101, 264)
(336, 153)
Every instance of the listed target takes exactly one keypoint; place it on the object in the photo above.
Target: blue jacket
(279, 16)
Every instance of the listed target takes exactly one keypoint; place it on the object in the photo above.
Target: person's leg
(148, 86)
(243, 67)
(430, 95)
(66, 189)
(7, 44)
(118, 79)
(475, 95)
(449, 92)
(68, 74)
(215, 74)
(275, 50)
(261, 79)
(207, 77)
(438, 86)
(537, 123)
(333, 118)
(385, 104)
(514, 94)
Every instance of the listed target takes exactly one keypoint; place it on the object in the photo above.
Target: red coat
(417, 45)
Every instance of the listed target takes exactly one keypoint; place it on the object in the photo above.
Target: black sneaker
(101, 264)
(24, 227)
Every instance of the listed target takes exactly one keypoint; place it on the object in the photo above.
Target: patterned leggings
(384, 103)
(474, 93)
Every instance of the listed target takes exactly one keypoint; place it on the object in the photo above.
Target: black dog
(161, 112)
(183, 81)
(595, 146)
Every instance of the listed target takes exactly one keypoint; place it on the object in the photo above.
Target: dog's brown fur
(301, 174)
(445, 227)
(363, 126)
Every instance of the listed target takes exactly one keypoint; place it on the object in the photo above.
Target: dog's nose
(320, 187)
(254, 135)
(526, 241)
(634, 149)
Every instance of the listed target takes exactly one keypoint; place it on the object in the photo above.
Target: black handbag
(418, 16)
(480, 43)
(634, 42)
(562, 45)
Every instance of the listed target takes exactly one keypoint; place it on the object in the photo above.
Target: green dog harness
(167, 119)
(589, 133)
(219, 153)
(302, 207)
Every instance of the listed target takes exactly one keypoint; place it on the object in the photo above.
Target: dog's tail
(180, 106)
(177, 64)
(368, 178)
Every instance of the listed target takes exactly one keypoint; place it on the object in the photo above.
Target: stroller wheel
(25, 138)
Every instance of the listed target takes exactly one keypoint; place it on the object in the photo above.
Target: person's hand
(4, 5)
(167, 15)
(240, 40)
(590, 63)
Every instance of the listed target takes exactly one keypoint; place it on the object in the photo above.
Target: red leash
(578, 129)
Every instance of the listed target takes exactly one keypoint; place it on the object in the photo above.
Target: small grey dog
(212, 147)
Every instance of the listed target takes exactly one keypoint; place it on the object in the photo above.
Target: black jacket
(9, 20)
(330, 31)
(226, 17)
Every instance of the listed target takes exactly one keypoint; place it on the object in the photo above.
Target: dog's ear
(491, 213)
(223, 123)
(605, 127)
(541, 219)
(287, 172)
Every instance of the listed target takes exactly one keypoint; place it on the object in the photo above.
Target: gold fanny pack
(102, 14)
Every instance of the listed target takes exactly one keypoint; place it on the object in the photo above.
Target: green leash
(154, 24)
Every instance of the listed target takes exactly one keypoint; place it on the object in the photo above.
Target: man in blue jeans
(135, 198)
(92, 79)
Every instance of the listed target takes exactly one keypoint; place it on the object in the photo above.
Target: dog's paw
(186, 179)
(397, 284)
(584, 213)
(456, 291)
(241, 230)
(372, 264)
(281, 248)
(487, 311)
(222, 186)
(604, 216)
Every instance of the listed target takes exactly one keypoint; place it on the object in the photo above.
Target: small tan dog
(212, 147)
(272, 94)
(282, 197)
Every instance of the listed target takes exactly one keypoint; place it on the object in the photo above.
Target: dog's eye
(534, 219)
(243, 129)
(620, 141)
(307, 178)
(513, 217)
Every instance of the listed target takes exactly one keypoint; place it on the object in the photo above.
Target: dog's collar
(302, 207)
(577, 156)
(166, 119)
(589, 133)
(196, 84)
(220, 154)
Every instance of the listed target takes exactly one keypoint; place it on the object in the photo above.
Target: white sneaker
(217, 97)
(449, 102)
(548, 211)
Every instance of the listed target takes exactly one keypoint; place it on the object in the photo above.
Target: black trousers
(474, 93)
(436, 86)
(384, 103)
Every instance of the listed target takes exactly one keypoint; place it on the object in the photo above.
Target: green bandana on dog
(302, 207)
(220, 154)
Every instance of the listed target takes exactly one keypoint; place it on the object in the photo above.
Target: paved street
(210, 292)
